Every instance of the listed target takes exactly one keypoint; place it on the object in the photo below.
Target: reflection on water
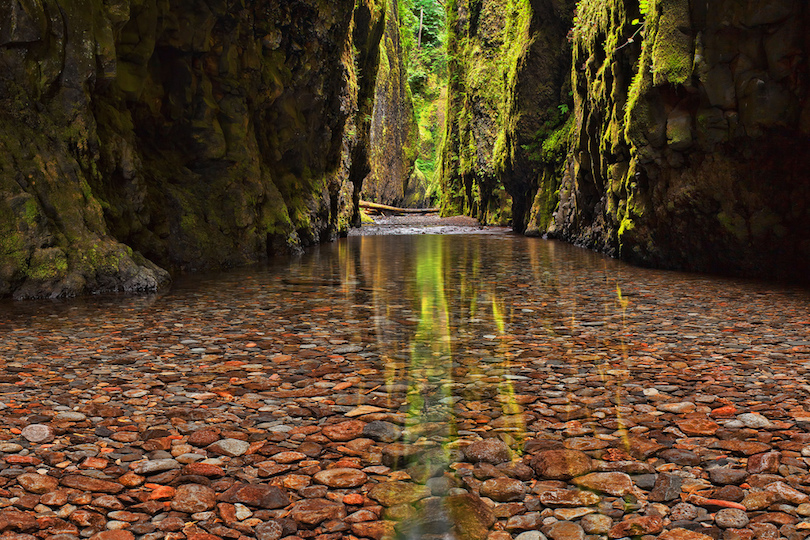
(450, 338)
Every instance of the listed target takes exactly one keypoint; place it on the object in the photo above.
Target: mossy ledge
(142, 138)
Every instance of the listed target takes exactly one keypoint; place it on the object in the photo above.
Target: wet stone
(596, 523)
(568, 498)
(493, 451)
(683, 534)
(472, 518)
(341, 478)
(229, 447)
(754, 421)
(192, 498)
(37, 433)
(394, 493)
(503, 489)
(37, 483)
(679, 457)
(767, 462)
(565, 530)
(637, 526)
(724, 476)
(256, 495)
(530, 535)
(667, 488)
(612, 483)
(314, 511)
(731, 518)
(561, 464)
(344, 431)
(397, 455)
(382, 431)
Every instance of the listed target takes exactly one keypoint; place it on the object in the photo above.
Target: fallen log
(394, 209)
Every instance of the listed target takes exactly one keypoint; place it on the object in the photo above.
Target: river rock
(382, 431)
(88, 484)
(522, 522)
(679, 456)
(637, 526)
(503, 489)
(565, 530)
(493, 451)
(698, 427)
(767, 462)
(612, 483)
(683, 534)
(569, 498)
(394, 493)
(341, 478)
(204, 437)
(256, 495)
(667, 488)
(69, 416)
(472, 518)
(37, 433)
(192, 498)
(344, 431)
(229, 447)
(269, 530)
(731, 518)
(596, 523)
(787, 493)
(37, 483)
(311, 512)
(531, 535)
(754, 421)
(561, 464)
(154, 465)
(724, 476)
(399, 454)
(759, 500)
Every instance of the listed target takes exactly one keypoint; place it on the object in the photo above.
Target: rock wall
(508, 67)
(139, 136)
(692, 138)
(394, 133)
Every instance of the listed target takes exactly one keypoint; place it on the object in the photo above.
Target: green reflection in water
(430, 391)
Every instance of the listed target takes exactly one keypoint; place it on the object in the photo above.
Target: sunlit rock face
(508, 63)
(140, 137)
(394, 134)
(692, 141)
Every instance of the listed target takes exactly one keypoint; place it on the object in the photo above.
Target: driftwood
(384, 208)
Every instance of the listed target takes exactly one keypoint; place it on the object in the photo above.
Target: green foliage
(552, 138)
(427, 79)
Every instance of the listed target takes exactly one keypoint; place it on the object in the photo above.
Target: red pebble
(353, 498)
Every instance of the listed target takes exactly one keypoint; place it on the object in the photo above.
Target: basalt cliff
(679, 136)
(142, 137)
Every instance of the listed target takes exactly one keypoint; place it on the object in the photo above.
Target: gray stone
(37, 433)
(382, 431)
(731, 518)
(229, 447)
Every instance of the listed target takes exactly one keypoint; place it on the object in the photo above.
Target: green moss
(734, 224)
(672, 51)
(31, 212)
(48, 264)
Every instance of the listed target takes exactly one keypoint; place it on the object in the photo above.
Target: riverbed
(478, 384)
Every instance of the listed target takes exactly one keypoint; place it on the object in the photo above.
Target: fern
(643, 7)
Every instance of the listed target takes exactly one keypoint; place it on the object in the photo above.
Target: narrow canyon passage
(477, 385)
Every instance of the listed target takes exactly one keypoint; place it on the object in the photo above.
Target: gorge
(140, 139)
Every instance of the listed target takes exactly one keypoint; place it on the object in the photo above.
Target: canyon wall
(691, 139)
(508, 70)
(394, 134)
(143, 136)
